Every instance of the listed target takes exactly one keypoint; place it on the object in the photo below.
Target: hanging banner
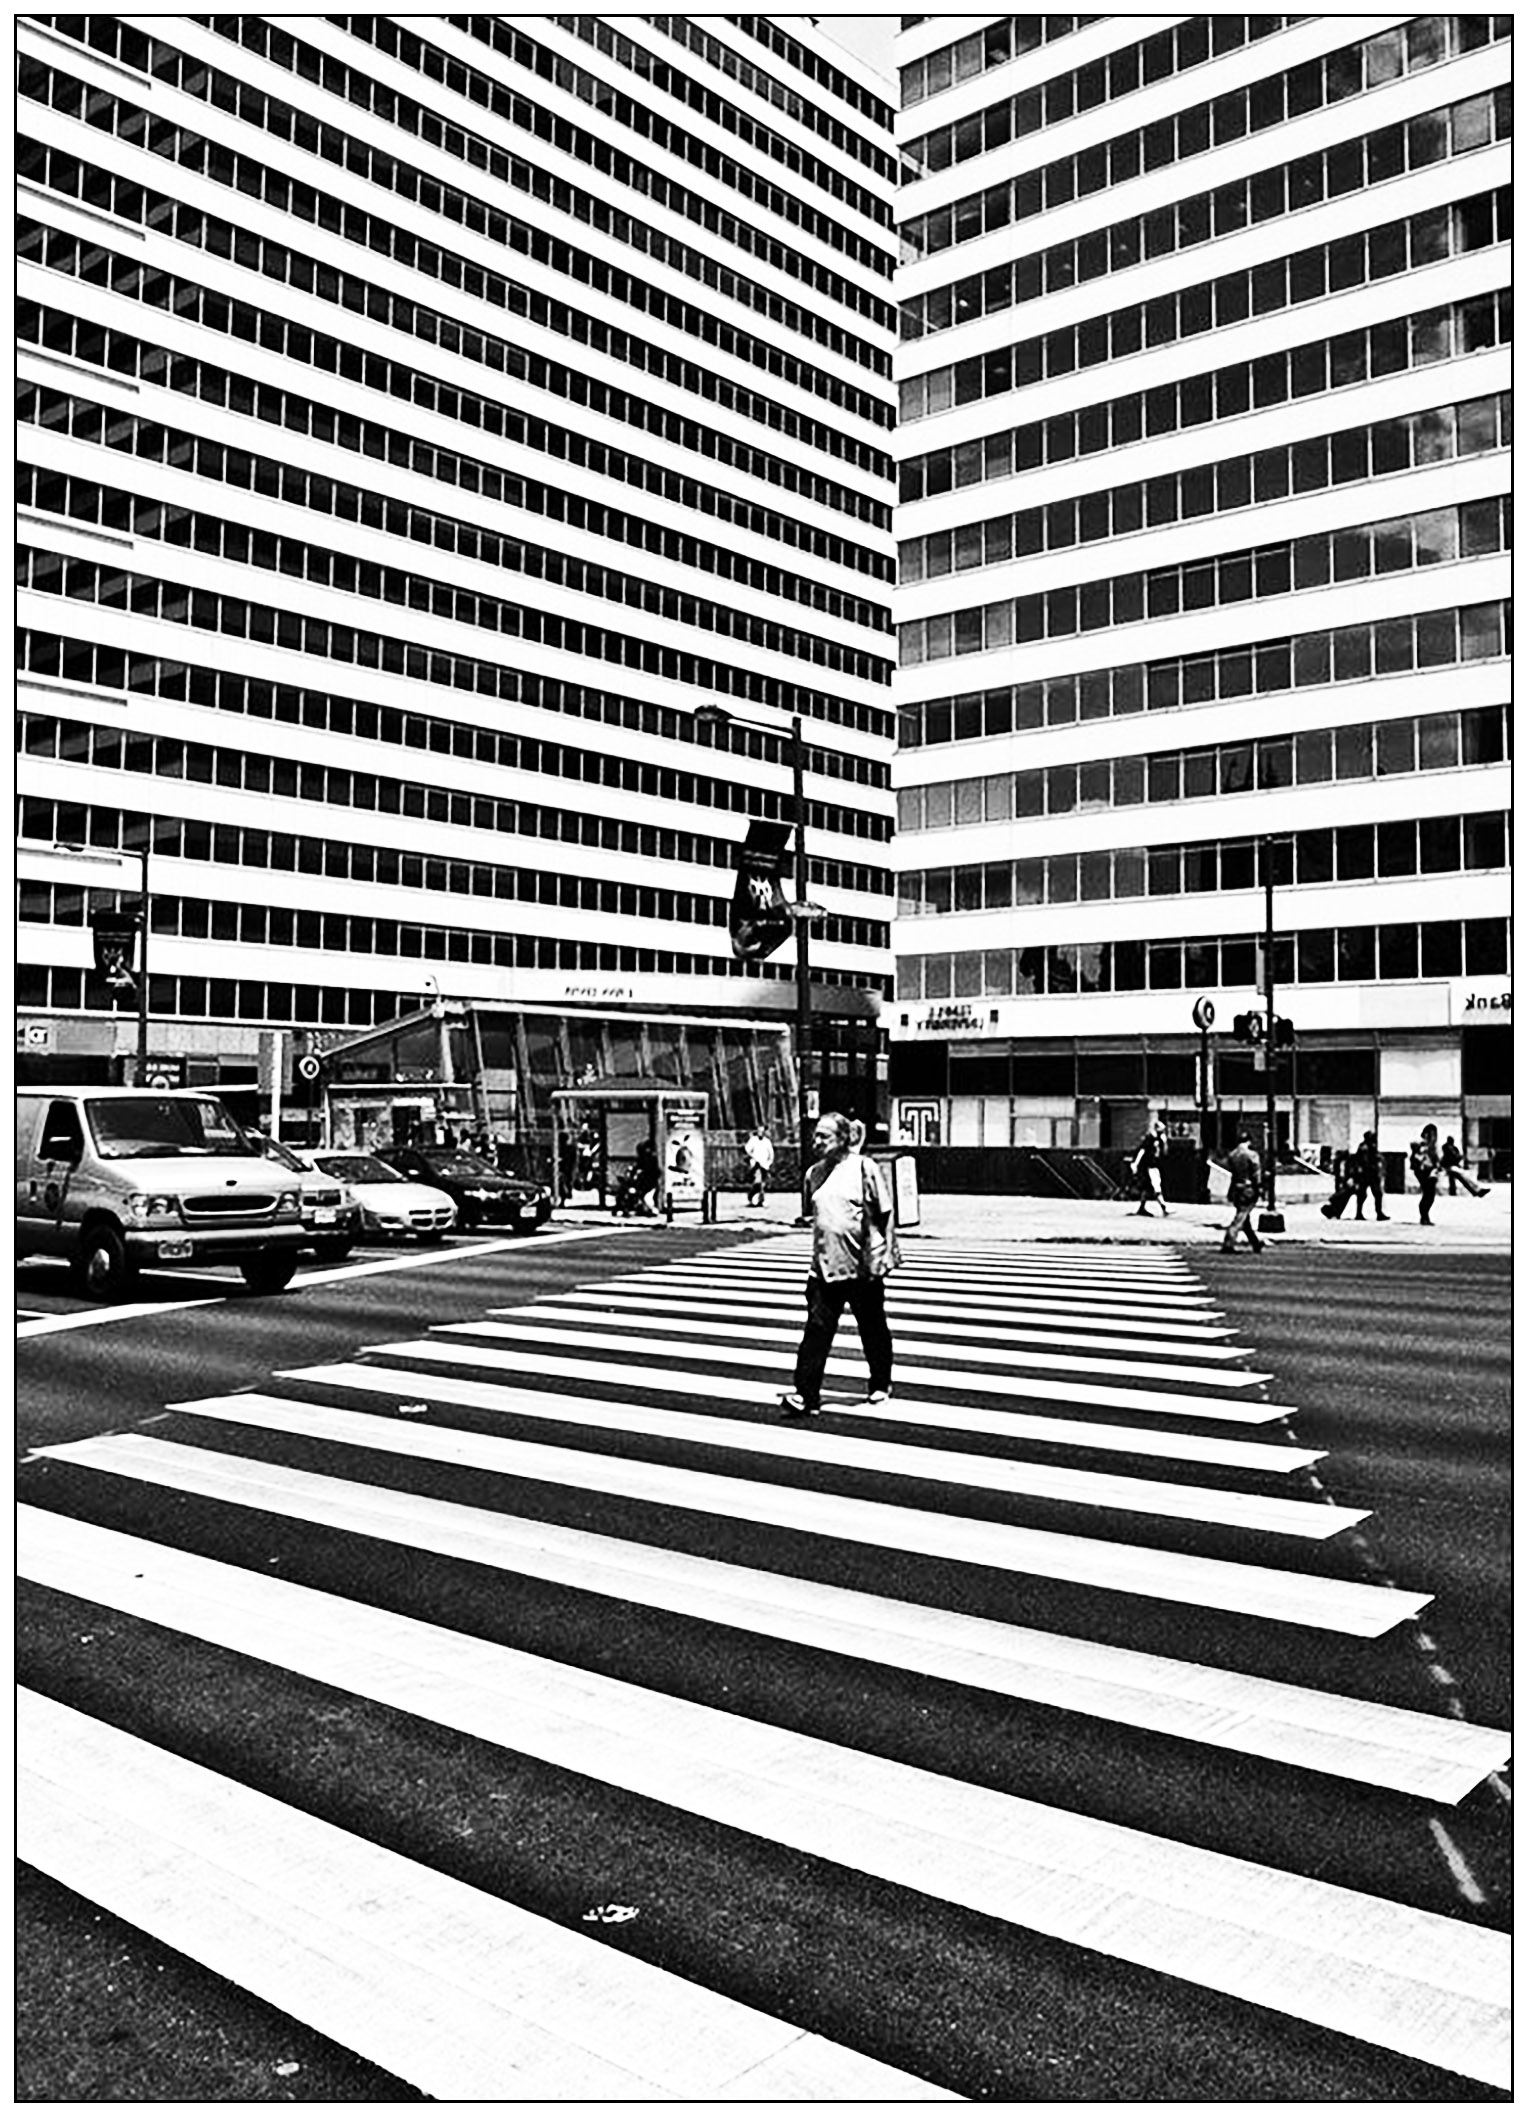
(115, 935)
(760, 921)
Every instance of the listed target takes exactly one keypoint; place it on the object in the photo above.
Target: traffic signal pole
(1271, 1045)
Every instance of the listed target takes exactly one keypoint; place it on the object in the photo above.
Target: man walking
(760, 1151)
(1426, 1168)
(1367, 1172)
(1246, 1188)
(1452, 1160)
(1147, 1165)
(853, 1248)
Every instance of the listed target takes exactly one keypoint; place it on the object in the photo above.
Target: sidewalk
(1462, 1223)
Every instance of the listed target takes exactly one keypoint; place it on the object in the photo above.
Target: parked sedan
(481, 1193)
(392, 1206)
(331, 1219)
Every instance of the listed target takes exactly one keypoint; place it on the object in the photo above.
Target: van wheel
(269, 1271)
(102, 1268)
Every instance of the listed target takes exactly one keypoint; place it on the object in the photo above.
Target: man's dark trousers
(826, 1300)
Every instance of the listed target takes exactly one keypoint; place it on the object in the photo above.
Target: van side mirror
(62, 1146)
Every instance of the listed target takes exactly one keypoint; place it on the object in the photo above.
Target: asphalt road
(1059, 1479)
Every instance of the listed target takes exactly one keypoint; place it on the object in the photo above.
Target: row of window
(107, 427)
(1238, 114)
(1358, 852)
(367, 231)
(802, 59)
(165, 757)
(349, 934)
(175, 999)
(1325, 461)
(1423, 238)
(1363, 355)
(90, 665)
(188, 225)
(1368, 550)
(1383, 348)
(110, 508)
(91, 342)
(1159, 58)
(1010, 37)
(172, 602)
(1346, 654)
(682, 84)
(377, 866)
(1435, 948)
(130, 47)
(522, 114)
(1386, 749)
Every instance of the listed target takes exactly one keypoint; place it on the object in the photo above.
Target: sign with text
(759, 920)
(1479, 1003)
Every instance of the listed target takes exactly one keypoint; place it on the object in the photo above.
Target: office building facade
(420, 418)
(1204, 570)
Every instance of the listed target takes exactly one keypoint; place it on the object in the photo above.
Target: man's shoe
(797, 1407)
(1228, 1249)
(878, 1396)
(1378, 1216)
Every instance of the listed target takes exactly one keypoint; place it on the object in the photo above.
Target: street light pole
(802, 912)
(803, 925)
(143, 965)
(1271, 1220)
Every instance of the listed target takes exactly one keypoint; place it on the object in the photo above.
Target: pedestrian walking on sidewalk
(1426, 1168)
(854, 1246)
(1363, 1177)
(1147, 1168)
(759, 1149)
(1452, 1162)
(1246, 1188)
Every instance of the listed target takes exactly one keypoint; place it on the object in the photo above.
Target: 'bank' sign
(1479, 1002)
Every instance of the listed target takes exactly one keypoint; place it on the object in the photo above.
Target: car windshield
(357, 1168)
(460, 1165)
(162, 1127)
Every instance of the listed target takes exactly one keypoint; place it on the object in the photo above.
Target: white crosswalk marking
(642, 1381)
(1442, 1985)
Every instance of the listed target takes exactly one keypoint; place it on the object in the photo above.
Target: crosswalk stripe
(581, 1309)
(1057, 1390)
(1358, 1609)
(463, 1995)
(908, 1349)
(1434, 1988)
(1313, 1520)
(1269, 1458)
(764, 1301)
(1426, 1755)
(722, 1265)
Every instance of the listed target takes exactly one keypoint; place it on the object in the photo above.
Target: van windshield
(145, 1127)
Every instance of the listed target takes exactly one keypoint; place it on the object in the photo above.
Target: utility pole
(143, 965)
(1272, 1220)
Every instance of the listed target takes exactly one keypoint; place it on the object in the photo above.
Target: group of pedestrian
(1360, 1175)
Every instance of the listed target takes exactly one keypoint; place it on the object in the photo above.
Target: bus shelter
(598, 1134)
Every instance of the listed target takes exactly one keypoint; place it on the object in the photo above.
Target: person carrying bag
(854, 1247)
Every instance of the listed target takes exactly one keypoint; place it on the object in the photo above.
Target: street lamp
(89, 853)
(802, 913)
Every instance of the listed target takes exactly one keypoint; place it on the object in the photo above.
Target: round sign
(159, 1080)
(1204, 1014)
(308, 1067)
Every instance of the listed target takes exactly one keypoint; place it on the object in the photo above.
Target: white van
(116, 1178)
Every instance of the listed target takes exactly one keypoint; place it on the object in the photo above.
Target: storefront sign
(952, 1018)
(1481, 1002)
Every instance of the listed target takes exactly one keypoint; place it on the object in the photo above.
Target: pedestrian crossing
(1079, 1535)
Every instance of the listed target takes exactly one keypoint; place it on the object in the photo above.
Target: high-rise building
(420, 418)
(1203, 574)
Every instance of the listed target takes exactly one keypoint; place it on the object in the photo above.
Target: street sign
(34, 1036)
(1204, 1014)
(308, 1067)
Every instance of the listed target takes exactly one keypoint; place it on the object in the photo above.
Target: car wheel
(102, 1268)
(268, 1271)
(333, 1252)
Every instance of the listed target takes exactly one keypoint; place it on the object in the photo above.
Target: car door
(44, 1223)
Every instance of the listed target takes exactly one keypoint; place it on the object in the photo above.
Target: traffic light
(1249, 1028)
(1283, 1032)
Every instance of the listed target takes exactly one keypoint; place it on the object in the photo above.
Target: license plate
(324, 1217)
(177, 1247)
